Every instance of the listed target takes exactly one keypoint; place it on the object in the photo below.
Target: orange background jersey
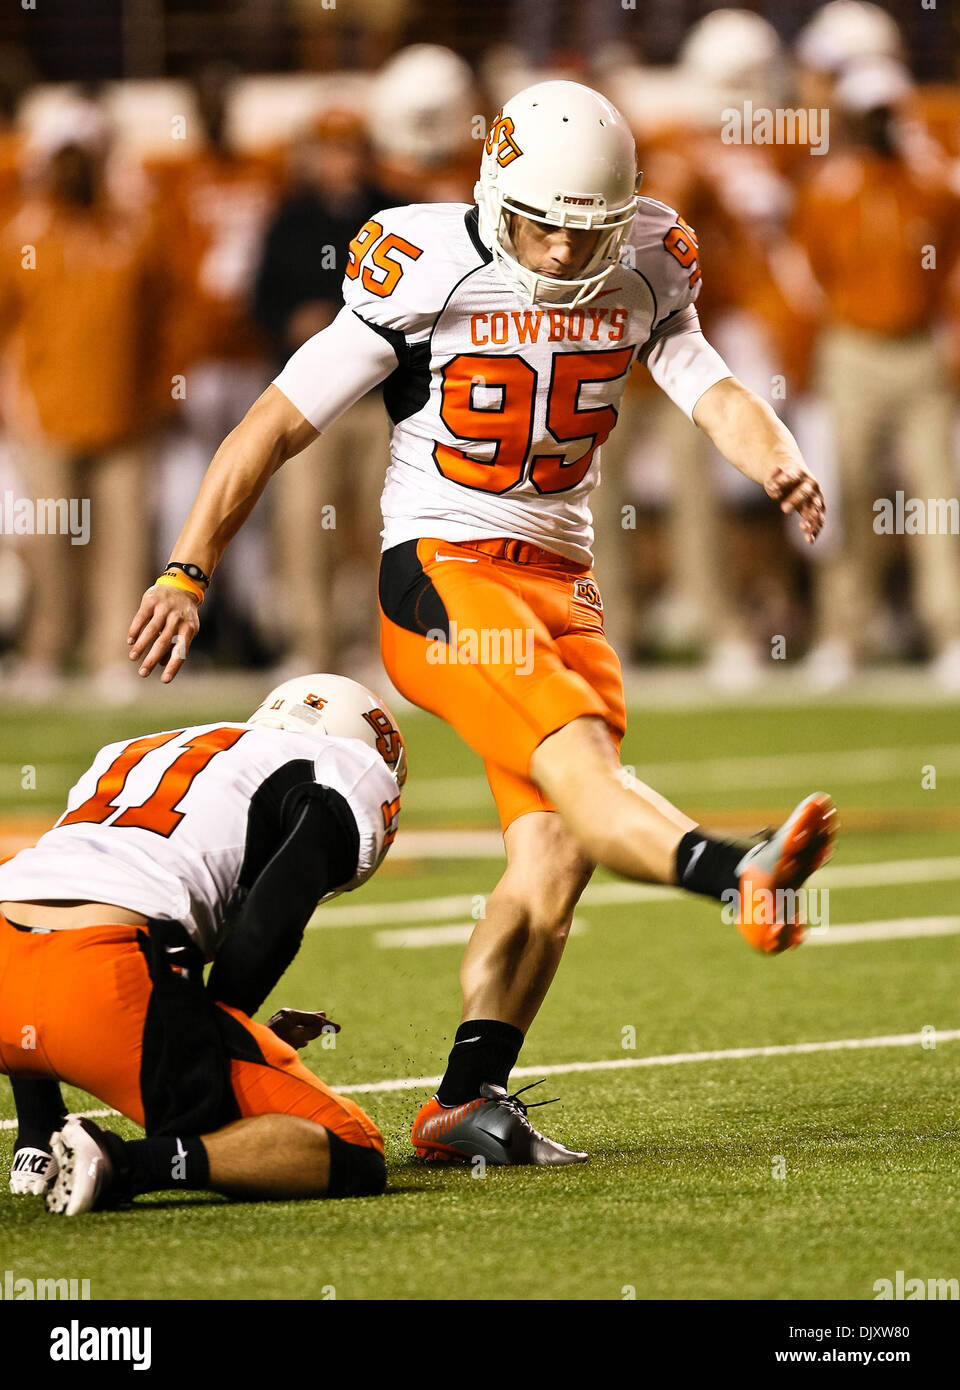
(213, 211)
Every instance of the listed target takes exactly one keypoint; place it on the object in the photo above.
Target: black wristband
(193, 572)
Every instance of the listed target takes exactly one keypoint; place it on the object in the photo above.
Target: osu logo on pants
(587, 590)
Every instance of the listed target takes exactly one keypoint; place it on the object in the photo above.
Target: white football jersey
(500, 409)
(177, 825)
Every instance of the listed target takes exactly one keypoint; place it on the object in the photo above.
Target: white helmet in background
(870, 83)
(421, 106)
(560, 154)
(843, 32)
(731, 48)
(338, 707)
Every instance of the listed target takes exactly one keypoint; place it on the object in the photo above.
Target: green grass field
(795, 1175)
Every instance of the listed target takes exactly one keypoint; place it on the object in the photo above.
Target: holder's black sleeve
(318, 853)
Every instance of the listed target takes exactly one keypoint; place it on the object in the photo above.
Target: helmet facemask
(543, 289)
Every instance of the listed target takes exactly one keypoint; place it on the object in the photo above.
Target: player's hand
(300, 1026)
(165, 624)
(798, 491)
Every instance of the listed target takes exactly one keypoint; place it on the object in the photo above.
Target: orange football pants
(73, 1006)
(525, 651)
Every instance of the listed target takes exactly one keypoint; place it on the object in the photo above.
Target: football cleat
(32, 1171)
(494, 1127)
(85, 1170)
(769, 912)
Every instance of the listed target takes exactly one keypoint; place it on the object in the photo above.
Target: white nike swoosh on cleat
(462, 558)
(466, 1040)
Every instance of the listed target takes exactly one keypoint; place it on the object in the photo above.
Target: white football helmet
(560, 154)
(338, 707)
(731, 48)
(872, 83)
(844, 31)
(421, 106)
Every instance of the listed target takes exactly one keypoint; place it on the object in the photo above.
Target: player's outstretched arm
(751, 437)
(272, 431)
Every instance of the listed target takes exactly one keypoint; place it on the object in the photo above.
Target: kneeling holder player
(208, 843)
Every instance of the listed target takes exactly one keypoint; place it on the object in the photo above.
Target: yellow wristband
(177, 580)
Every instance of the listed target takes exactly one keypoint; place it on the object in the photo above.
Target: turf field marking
(90, 1115)
(670, 1059)
(449, 934)
(882, 929)
(732, 1054)
(891, 929)
(420, 910)
(876, 765)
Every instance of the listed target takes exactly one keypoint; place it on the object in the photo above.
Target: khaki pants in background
(83, 597)
(326, 576)
(882, 389)
(700, 534)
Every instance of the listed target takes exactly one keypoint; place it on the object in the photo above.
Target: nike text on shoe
(85, 1170)
(32, 1171)
(768, 916)
(494, 1127)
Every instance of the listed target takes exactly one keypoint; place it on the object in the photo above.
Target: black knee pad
(355, 1169)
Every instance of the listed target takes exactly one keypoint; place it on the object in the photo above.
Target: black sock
(706, 865)
(483, 1050)
(162, 1164)
(40, 1110)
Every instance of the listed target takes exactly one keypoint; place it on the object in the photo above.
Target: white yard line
(731, 1054)
(449, 934)
(882, 929)
(875, 764)
(90, 1114)
(670, 1059)
(421, 910)
(887, 929)
(878, 764)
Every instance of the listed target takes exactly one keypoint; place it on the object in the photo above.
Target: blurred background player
(690, 566)
(214, 203)
(83, 301)
(879, 226)
(209, 843)
(325, 545)
(736, 200)
(423, 107)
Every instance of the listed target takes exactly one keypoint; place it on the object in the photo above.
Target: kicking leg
(628, 827)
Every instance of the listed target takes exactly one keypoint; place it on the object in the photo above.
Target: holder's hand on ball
(300, 1026)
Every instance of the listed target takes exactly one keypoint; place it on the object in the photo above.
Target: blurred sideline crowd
(167, 244)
